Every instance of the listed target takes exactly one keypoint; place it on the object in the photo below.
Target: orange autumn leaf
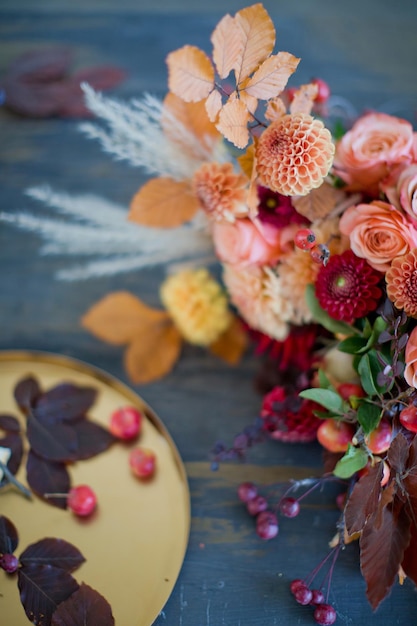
(257, 34)
(250, 102)
(120, 316)
(233, 120)
(318, 203)
(192, 115)
(190, 73)
(246, 161)
(153, 352)
(231, 345)
(271, 77)
(303, 99)
(275, 109)
(163, 203)
(213, 105)
(227, 45)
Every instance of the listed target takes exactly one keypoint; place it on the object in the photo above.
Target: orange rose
(378, 232)
(410, 372)
(401, 189)
(366, 153)
(244, 243)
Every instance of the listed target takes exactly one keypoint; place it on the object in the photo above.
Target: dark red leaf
(42, 588)
(409, 483)
(382, 552)
(100, 78)
(48, 477)
(87, 607)
(9, 423)
(398, 453)
(15, 443)
(363, 500)
(409, 563)
(41, 66)
(9, 538)
(92, 439)
(26, 392)
(64, 403)
(54, 442)
(56, 552)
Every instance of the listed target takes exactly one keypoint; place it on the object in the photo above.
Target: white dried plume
(135, 135)
(96, 227)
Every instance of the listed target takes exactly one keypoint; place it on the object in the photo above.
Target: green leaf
(369, 416)
(326, 397)
(352, 345)
(323, 318)
(354, 460)
(324, 381)
(368, 369)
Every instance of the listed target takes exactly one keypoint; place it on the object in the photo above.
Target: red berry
(305, 239)
(334, 435)
(318, 597)
(408, 418)
(256, 505)
(267, 525)
(303, 595)
(323, 93)
(142, 462)
(9, 562)
(295, 584)
(290, 507)
(349, 390)
(126, 423)
(325, 615)
(82, 500)
(379, 440)
(247, 491)
(320, 253)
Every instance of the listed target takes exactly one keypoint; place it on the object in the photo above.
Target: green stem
(11, 478)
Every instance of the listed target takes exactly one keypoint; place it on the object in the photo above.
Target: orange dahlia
(402, 282)
(220, 191)
(294, 154)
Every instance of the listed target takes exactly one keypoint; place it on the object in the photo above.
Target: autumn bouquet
(315, 234)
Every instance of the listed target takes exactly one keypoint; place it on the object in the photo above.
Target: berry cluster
(324, 613)
(305, 239)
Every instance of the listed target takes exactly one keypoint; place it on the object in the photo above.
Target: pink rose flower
(410, 372)
(244, 242)
(367, 152)
(378, 232)
(401, 189)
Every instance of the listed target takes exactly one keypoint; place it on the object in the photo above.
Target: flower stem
(13, 480)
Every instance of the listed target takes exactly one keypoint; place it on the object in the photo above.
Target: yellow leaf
(119, 316)
(275, 109)
(190, 73)
(227, 45)
(153, 352)
(233, 123)
(319, 202)
(163, 203)
(257, 37)
(231, 345)
(303, 99)
(272, 76)
(192, 115)
(213, 105)
(246, 161)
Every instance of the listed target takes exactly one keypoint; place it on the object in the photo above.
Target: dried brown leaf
(190, 73)
(257, 34)
(227, 45)
(271, 77)
(246, 161)
(119, 317)
(303, 99)
(233, 121)
(409, 563)
(363, 500)
(319, 202)
(192, 115)
(275, 109)
(163, 203)
(231, 345)
(398, 454)
(153, 352)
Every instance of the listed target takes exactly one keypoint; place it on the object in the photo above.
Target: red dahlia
(289, 418)
(347, 287)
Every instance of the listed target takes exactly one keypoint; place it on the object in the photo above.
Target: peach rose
(374, 144)
(410, 372)
(401, 189)
(378, 232)
(246, 243)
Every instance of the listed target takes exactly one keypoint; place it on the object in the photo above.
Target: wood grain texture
(367, 51)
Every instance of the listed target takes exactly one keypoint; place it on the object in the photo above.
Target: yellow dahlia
(294, 154)
(220, 191)
(402, 282)
(197, 305)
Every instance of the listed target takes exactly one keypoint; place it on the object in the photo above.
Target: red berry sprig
(81, 500)
(305, 239)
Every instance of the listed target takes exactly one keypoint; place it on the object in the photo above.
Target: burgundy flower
(347, 287)
(289, 418)
(277, 209)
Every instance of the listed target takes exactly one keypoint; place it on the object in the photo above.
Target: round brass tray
(135, 543)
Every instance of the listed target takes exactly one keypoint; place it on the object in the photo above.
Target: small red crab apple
(142, 462)
(126, 423)
(305, 239)
(81, 500)
(335, 435)
(408, 418)
(379, 440)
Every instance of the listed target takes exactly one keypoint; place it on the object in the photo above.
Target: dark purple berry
(247, 491)
(325, 615)
(256, 505)
(267, 525)
(9, 562)
(318, 597)
(303, 595)
(295, 584)
(290, 507)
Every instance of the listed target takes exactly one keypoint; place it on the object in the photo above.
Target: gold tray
(135, 543)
